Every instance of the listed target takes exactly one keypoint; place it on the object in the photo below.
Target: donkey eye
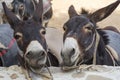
(44, 17)
(89, 27)
(42, 31)
(18, 36)
(21, 6)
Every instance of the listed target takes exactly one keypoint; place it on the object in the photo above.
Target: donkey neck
(102, 56)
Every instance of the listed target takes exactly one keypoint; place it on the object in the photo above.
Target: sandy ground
(60, 8)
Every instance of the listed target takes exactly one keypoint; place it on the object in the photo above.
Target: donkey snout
(29, 54)
(68, 53)
(42, 53)
(37, 54)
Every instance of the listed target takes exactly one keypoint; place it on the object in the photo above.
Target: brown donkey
(30, 37)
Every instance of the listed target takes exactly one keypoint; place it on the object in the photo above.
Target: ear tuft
(83, 11)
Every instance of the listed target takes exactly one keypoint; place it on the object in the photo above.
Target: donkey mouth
(71, 65)
(67, 66)
(38, 66)
(36, 69)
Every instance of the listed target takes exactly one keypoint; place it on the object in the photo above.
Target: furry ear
(72, 12)
(38, 14)
(104, 12)
(11, 17)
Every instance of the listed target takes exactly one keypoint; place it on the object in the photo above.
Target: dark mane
(103, 36)
(85, 12)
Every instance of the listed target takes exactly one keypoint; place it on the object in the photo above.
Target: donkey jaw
(70, 51)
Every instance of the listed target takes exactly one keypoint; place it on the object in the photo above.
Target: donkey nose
(68, 53)
(42, 53)
(29, 54)
(72, 51)
(37, 53)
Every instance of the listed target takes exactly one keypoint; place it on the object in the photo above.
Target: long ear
(12, 19)
(38, 14)
(104, 12)
(72, 12)
(30, 6)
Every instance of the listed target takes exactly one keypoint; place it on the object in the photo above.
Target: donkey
(86, 43)
(24, 9)
(30, 37)
(111, 28)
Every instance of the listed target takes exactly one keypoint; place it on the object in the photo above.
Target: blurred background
(60, 14)
(60, 8)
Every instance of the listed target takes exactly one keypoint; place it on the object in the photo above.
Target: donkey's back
(114, 41)
(8, 57)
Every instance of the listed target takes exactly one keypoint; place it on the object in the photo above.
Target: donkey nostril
(73, 51)
(61, 54)
(42, 53)
(29, 54)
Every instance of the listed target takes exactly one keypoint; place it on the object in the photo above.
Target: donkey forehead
(29, 27)
(78, 22)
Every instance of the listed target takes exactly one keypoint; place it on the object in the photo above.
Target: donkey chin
(71, 66)
(36, 65)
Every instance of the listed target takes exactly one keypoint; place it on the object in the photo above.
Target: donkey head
(30, 36)
(18, 7)
(80, 32)
(23, 8)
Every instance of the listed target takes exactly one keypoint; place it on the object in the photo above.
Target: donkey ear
(104, 12)
(12, 19)
(38, 14)
(72, 12)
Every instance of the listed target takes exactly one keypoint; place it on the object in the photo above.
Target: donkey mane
(103, 36)
(85, 12)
